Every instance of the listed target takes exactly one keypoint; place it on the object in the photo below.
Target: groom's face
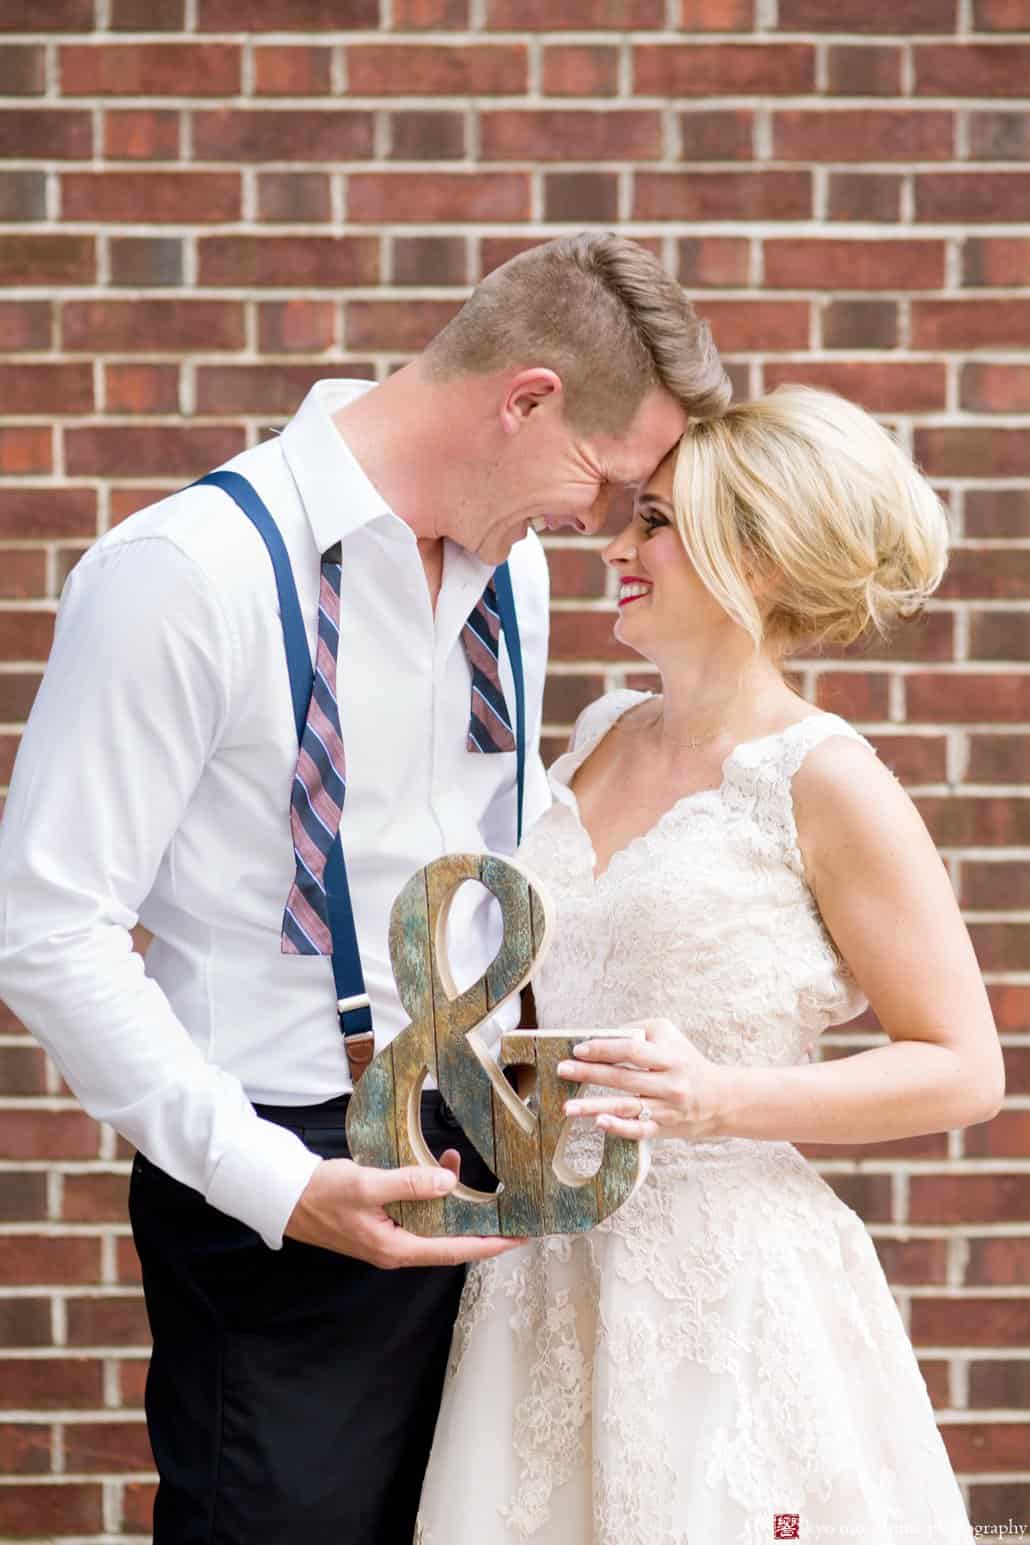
(566, 478)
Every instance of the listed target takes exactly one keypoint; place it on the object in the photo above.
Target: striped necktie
(319, 784)
(489, 724)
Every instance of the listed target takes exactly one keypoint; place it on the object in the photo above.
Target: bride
(722, 1361)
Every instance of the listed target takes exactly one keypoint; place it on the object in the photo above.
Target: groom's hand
(342, 1208)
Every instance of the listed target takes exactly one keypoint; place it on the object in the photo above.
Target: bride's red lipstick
(632, 579)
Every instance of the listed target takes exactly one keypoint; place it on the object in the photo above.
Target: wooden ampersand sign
(523, 1143)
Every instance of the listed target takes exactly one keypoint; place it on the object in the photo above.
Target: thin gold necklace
(692, 742)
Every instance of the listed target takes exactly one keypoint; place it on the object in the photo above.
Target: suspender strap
(510, 625)
(347, 973)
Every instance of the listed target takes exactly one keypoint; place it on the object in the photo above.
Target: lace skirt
(720, 1363)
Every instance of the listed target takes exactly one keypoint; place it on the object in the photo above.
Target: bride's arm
(887, 902)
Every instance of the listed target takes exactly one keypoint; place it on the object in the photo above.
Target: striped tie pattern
(489, 725)
(319, 784)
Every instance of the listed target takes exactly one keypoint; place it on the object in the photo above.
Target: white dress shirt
(153, 784)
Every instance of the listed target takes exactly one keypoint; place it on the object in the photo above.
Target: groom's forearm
(905, 1089)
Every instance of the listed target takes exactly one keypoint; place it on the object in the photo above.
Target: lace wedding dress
(722, 1361)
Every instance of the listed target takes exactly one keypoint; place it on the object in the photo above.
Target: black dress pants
(292, 1394)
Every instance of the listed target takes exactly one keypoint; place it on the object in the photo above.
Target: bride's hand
(662, 1086)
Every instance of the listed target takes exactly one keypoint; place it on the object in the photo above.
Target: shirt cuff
(261, 1178)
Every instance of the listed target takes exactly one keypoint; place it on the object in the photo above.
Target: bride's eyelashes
(651, 521)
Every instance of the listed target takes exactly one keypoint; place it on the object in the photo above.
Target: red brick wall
(196, 221)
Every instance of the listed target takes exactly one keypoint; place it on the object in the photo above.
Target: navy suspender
(355, 1013)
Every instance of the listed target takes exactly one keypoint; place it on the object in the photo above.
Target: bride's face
(662, 602)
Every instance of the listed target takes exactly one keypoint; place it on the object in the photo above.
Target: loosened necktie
(489, 724)
(319, 784)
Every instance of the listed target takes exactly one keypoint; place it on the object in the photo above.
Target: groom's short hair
(602, 313)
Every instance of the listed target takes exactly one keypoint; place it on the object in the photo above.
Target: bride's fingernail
(581, 1051)
(564, 1069)
(572, 1107)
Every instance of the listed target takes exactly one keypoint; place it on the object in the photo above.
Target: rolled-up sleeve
(131, 709)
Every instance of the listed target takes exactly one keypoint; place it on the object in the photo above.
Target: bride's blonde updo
(806, 497)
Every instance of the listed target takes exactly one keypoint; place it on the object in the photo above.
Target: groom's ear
(528, 391)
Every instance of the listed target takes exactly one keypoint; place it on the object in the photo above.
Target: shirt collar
(336, 494)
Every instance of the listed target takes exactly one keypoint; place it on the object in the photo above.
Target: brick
(999, 635)
(964, 452)
(868, 1195)
(935, 1373)
(402, 197)
(92, 1447)
(971, 69)
(1001, 946)
(404, 325)
(993, 1446)
(913, 1261)
(295, 197)
(999, 136)
(746, 326)
(329, 262)
(565, 697)
(150, 69)
(23, 1197)
(427, 136)
(432, 260)
(914, 758)
(1006, 1137)
(717, 15)
(143, 262)
(495, 250)
(947, 1198)
(57, 16)
(22, 196)
(717, 136)
(26, 1448)
(998, 758)
(141, 134)
(47, 514)
(43, 1258)
(127, 1260)
(183, 198)
(979, 822)
(1001, 15)
(997, 512)
(148, 15)
(970, 324)
(151, 450)
(125, 500)
(573, 15)
(432, 69)
(254, 389)
(25, 325)
(860, 324)
(47, 389)
(998, 1262)
(44, 133)
(149, 326)
(22, 578)
(997, 1385)
(39, 260)
(576, 571)
(141, 388)
(994, 573)
(107, 1321)
(282, 134)
(22, 70)
(868, 70)
(810, 263)
(721, 195)
(28, 636)
(425, 15)
(28, 449)
(302, 71)
(557, 134)
(51, 1383)
(969, 699)
(864, 196)
(580, 70)
(132, 1381)
(584, 196)
(994, 388)
(1001, 260)
(48, 1510)
(24, 1322)
(996, 197)
(723, 69)
(296, 326)
(881, 386)
(999, 1504)
(719, 262)
(286, 15)
(865, 16)
(47, 1134)
(858, 695)
(862, 134)
(931, 1145)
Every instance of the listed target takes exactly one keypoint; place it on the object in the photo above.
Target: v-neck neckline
(716, 792)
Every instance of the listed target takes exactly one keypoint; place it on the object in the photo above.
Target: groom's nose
(594, 519)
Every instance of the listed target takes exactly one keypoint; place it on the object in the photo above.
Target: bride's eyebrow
(659, 504)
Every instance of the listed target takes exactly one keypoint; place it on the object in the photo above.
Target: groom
(300, 1337)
